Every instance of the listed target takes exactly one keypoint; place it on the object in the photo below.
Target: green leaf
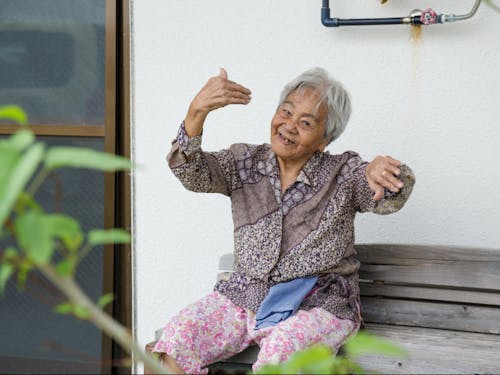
(10, 255)
(69, 308)
(81, 312)
(24, 268)
(270, 369)
(66, 267)
(64, 308)
(66, 229)
(36, 232)
(19, 177)
(7, 267)
(13, 113)
(34, 236)
(6, 271)
(21, 139)
(74, 157)
(26, 201)
(317, 359)
(367, 343)
(9, 156)
(109, 236)
(105, 299)
(299, 359)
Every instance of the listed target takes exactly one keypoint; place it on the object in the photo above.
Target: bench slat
(401, 252)
(458, 274)
(435, 351)
(425, 265)
(451, 316)
(429, 293)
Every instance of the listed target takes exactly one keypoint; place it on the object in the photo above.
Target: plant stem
(37, 181)
(103, 321)
(84, 252)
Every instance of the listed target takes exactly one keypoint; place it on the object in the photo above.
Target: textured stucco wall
(433, 104)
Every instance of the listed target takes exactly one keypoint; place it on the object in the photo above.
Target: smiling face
(298, 128)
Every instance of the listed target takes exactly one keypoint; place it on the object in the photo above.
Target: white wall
(433, 104)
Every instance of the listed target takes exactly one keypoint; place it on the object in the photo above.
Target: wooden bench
(441, 304)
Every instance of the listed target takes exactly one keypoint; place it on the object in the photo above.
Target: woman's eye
(286, 112)
(306, 123)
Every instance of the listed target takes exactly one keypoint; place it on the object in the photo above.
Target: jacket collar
(268, 166)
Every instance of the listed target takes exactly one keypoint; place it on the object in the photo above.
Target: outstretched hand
(218, 92)
(381, 174)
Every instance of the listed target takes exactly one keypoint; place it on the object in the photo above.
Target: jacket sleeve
(354, 172)
(200, 171)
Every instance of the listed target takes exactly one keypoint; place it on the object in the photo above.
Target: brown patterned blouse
(309, 230)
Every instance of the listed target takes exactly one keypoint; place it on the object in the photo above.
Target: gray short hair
(332, 93)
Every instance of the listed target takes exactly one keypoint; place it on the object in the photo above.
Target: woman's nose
(291, 125)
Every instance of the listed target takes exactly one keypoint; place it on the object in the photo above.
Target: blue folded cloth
(282, 301)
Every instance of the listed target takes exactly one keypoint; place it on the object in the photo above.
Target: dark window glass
(52, 59)
(19, 49)
(33, 338)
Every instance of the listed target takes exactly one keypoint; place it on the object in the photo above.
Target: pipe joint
(428, 17)
(325, 17)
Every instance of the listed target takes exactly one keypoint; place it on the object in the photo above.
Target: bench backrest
(427, 286)
(435, 287)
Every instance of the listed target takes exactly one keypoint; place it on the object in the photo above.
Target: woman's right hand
(217, 92)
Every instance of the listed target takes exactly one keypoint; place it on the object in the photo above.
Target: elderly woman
(296, 275)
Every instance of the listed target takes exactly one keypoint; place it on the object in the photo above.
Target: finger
(238, 101)
(219, 86)
(239, 95)
(231, 91)
(393, 170)
(234, 99)
(377, 189)
(379, 193)
(396, 183)
(390, 182)
(225, 94)
(222, 73)
(393, 161)
(223, 101)
(215, 92)
(237, 87)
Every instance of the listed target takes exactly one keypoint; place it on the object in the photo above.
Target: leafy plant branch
(39, 235)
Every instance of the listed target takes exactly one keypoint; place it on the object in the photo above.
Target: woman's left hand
(381, 174)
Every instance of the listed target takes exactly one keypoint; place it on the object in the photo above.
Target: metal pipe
(416, 17)
(369, 21)
(335, 22)
(453, 17)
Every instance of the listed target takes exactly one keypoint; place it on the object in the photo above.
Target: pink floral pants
(214, 328)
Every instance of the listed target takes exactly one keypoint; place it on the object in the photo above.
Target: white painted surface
(433, 104)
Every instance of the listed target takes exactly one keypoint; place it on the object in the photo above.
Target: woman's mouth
(286, 141)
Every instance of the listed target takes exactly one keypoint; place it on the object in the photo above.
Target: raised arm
(217, 93)
(198, 170)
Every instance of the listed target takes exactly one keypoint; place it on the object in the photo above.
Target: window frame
(115, 131)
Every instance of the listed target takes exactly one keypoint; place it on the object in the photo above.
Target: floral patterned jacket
(308, 230)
